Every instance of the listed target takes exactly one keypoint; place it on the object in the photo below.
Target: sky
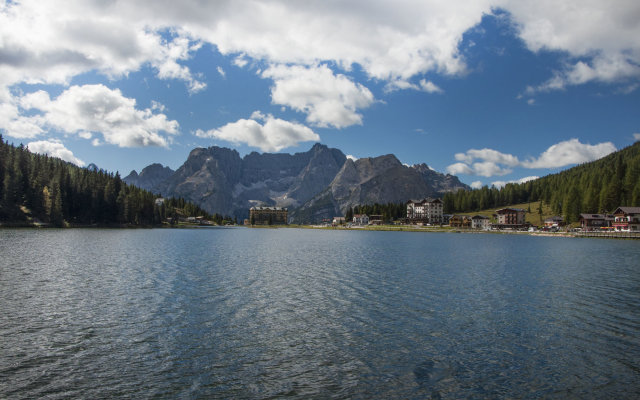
(492, 91)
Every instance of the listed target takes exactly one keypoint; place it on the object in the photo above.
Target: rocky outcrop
(319, 183)
(381, 179)
(150, 177)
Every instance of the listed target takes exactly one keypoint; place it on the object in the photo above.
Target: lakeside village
(429, 212)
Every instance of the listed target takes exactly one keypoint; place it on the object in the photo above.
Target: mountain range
(316, 184)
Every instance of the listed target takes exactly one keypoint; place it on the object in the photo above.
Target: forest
(389, 211)
(36, 188)
(595, 187)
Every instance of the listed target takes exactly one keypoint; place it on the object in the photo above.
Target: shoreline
(369, 228)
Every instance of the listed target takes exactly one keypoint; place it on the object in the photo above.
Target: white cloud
(429, 87)
(326, 98)
(353, 158)
(489, 168)
(56, 40)
(53, 41)
(15, 125)
(499, 184)
(274, 135)
(495, 163)
(54, 149)
(487, 155)
(570, 152)
(459, 168)
(88, 109)
(240, 61)
(221, 72)
(476, 185)
(599, 38)
(636, 136)
(423, 86)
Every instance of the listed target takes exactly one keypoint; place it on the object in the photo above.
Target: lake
(298, 313)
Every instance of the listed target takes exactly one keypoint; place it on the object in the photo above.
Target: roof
(505, 210)
(425, 200)
(479, 217)
(595, 216)
(627, 210)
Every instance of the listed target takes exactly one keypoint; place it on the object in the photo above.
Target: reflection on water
(242, 313)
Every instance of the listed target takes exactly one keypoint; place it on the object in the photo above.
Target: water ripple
(241, 313)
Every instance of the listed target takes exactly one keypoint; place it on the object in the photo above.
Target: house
(510, 218)
(268, 216)
(425, 211)
(595, 222)
(554, 221)
(361, 219)
(375, 220)
(627, 219)
(480, 222)
(337, 221)
(446, 218)
(460, 221)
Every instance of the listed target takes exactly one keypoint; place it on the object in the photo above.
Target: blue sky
(492, 91)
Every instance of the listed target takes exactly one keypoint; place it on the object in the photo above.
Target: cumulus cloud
(600, 40)
(636, 136)
(273, 134)
(459, 168)
(394, 42)
(495, 163)
(476, 185)
(88, 109)
(570, 152)
(487, 155)
(53, 41)
(488, 168)
(327, 99)
(353, 158)
(54, 149)
(499, 184)
(423, 86)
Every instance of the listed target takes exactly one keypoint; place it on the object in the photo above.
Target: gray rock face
(150, 177)
(374, 180)
(316, 184)
(220, 181)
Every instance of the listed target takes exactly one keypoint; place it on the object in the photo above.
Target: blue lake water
(269, 313)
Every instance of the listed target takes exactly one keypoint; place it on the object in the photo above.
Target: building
(554, 221)
(481, 222)
(375, 220)
(446, 218)
(427, 211)
(337, 221)
(361, 219)
(268, 216)
(595, 222)
(460, 221)
(510, 218)
(627, 219)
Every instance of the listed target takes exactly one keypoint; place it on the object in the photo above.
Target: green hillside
(598, 186)
(37, 189)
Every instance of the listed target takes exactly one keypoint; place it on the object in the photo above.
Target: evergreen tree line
(389, 211)
(35, 186)
(596, 187)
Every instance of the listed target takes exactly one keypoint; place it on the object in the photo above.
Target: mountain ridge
(219, 180)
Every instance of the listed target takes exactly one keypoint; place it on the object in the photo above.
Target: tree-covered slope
(38, 188)
(597, 186)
